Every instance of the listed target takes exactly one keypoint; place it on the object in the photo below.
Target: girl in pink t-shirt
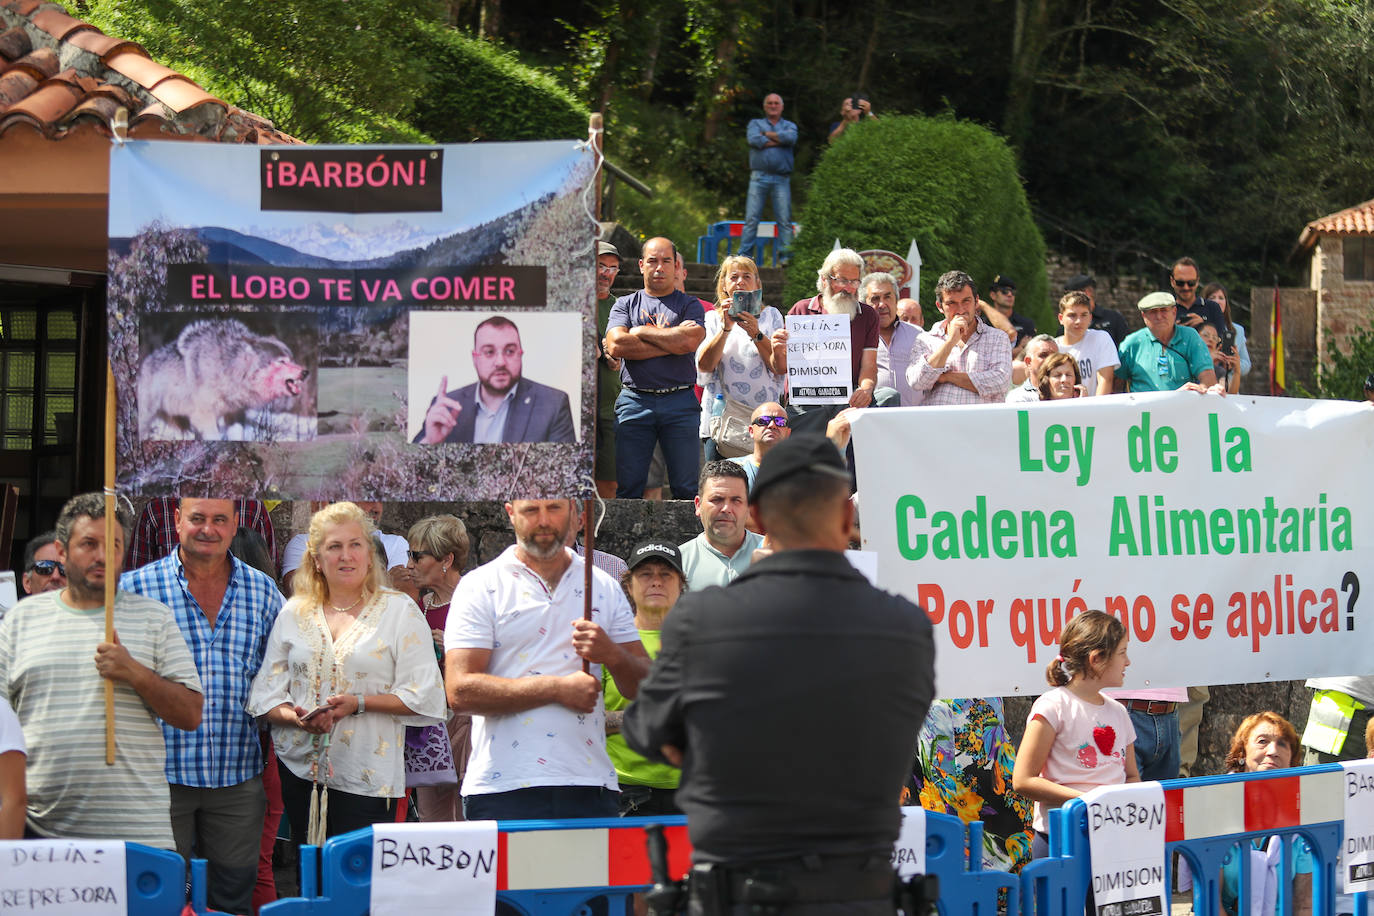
(1076, 738)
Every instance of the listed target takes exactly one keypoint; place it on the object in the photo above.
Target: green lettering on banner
(1237, 437)
(1224, 531)
(910, 508)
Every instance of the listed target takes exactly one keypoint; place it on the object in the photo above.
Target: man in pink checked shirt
(960, 360)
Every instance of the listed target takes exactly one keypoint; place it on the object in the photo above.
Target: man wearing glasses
(43, 572)
(895, 340)
(1164, 355)
(502, 405)
(837, 283)
(767, 427)
(1193, 312)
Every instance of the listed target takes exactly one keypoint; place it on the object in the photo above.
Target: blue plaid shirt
(224, 751)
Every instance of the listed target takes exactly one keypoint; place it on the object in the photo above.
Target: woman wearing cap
(653, 583)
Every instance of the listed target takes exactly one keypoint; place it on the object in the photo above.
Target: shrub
(1343, 375)
(949, 184)
(477, 91)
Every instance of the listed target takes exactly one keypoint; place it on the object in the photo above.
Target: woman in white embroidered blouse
(349, 665)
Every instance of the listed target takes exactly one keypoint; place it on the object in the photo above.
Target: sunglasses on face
(416, 554)
(48, 567)
(1186, 284)
(779, 422)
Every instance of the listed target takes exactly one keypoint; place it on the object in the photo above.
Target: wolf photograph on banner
(263, 302)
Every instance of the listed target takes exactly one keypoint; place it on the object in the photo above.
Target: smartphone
(315, 712)
(746, 300)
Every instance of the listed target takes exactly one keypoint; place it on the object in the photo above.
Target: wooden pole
(589, 506)
(112, 562)
(588, 532)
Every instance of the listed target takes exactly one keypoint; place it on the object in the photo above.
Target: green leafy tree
(949, 184)
(1343, 374)
(321, 70)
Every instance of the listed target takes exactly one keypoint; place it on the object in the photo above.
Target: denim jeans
(671, 420)
(778, 189)
(1156, 745)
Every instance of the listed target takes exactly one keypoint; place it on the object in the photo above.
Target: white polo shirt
(504, 606)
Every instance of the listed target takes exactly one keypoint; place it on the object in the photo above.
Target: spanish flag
(1276, 382)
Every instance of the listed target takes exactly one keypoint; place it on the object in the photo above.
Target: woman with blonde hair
(349, 664)
(743, 358)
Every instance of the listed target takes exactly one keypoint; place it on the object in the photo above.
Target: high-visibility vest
(1328, 721)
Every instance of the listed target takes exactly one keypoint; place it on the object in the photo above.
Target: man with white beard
(837, 283)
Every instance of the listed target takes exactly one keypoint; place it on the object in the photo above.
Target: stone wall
(1344, 307)
(1299, 310)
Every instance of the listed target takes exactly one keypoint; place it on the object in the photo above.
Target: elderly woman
(1060, 377)
(439, 548)
(349, 664)
(1263, 741)
(743, 357)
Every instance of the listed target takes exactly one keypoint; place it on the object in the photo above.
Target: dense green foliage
(478, 91)
(949, 184)
(1343, 374)
(329, 71)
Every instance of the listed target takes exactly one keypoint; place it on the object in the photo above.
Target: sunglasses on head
(779, 422)
(48, 567)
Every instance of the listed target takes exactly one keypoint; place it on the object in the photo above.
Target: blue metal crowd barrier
(155, 882)
(729, 231)
(612, 851)
(1207, 816)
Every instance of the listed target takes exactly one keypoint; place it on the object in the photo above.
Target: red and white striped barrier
(596, 857)
(1198, 812)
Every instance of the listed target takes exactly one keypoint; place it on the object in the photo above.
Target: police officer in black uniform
(792, 700)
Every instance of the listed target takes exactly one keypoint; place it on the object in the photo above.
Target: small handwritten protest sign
(433, 868)
(819, 369)
(1126, 836)
(1357, 852)
(78, 877)
(909, 855)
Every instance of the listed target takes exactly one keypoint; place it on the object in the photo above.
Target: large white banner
(1230, 534)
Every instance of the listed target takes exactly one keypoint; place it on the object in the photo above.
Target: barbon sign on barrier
(1229, 534)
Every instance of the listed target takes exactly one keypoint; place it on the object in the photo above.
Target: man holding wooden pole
(54, 663)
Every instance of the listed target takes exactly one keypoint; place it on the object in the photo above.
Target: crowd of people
(371, 676)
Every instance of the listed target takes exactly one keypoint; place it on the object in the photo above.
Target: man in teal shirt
(1163, 355)
(725, 548)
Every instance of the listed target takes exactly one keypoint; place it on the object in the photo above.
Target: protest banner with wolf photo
(263, 306)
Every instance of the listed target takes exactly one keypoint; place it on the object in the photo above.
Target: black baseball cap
(798, 453)
(1002, 281)
(656, 550)
(1079, 282)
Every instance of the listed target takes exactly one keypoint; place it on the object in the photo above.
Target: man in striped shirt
(46, 672)
(225, 609)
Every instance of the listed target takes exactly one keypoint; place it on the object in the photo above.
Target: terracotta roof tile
(100, 44)
(22, 7)
(139, 68)
(1356, 220)
(50, 102)
(57, 23)
(104, 74)
(15, 85)
(14, 44)
(180, 94)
